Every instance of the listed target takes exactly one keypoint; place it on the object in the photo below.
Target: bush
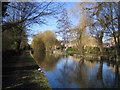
(72, 50)
(92, 50)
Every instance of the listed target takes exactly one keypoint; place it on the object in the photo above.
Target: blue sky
(51, 25)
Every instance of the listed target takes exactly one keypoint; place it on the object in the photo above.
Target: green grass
(72, 51)
(21, 72)
(40, 80)
(91, 51)
(35, 76)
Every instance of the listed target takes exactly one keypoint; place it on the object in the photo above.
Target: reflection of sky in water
(56, 79)
(70, 74)
(109, 77)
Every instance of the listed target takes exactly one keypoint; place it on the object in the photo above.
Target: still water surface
(73, 72)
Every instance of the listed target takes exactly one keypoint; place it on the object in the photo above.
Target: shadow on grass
(21, 72)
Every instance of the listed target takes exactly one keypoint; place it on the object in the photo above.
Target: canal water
(74, 72)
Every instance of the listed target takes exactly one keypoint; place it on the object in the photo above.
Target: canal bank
(21, 71)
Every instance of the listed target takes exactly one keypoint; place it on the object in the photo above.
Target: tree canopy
(47, 39)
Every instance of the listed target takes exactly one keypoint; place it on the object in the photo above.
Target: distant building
(112, 42)
(90, 41)
(87, 41)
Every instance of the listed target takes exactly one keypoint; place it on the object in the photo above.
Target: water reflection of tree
(79, 73)
(116, 82)
(100, 73)
(117, 76)
(46, 60)
(64, 74)
(82, 77)
(39, 55)
(73, 73)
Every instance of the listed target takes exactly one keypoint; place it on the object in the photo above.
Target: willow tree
(49, 39)
(44, 41)
(37, 43)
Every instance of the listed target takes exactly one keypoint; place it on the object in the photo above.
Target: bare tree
(113, 28)
(64, 25)
(29, 13)
(81, 29)
(101, 14)
(21, 15)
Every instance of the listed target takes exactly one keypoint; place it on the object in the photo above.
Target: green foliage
(11, 37)
(8, 40)
(87, 50)
(72, 50)
(109, 51)
(92, 50)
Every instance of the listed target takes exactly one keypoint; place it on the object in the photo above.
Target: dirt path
(21, 72)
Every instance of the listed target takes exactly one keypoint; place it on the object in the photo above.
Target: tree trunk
(100, 72)
(101, 44)
(116, 45)
(118, 29)
(18, 46)
(117, 76)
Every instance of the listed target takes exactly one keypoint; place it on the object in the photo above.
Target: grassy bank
(20, 71)
(106, 51)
